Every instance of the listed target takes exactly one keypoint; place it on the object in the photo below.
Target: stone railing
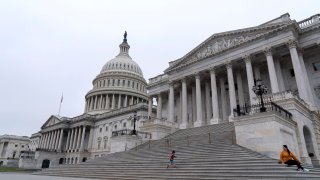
(280, 96)
(257, 108)
(162, 122)
(123, 132)
(158, 78)
(309, 21)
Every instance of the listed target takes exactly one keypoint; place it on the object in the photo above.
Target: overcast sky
(50, 47)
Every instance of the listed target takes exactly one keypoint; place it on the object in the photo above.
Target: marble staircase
(206, 152)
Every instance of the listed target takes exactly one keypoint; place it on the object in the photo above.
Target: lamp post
(260, 89)
(134, 132)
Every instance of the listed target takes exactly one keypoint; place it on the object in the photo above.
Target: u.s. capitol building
(211, 84)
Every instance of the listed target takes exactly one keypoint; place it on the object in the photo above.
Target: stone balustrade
(158, 78)
(309, 21)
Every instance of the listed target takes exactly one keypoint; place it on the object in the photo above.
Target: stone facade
(118, 95)
(11, 147)
(208, 84)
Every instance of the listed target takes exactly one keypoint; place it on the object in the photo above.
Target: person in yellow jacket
(287, 157)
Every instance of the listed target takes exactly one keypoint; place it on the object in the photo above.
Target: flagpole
(60, 104)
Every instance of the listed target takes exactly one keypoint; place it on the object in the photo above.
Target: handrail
(130, 132)
(255, 108)
(206, 138)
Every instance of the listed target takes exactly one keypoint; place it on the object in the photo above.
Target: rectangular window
(124, 125)
(123, 82)
(292, 72)
(316, 66)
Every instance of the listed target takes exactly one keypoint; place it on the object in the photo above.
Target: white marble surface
(25, 176)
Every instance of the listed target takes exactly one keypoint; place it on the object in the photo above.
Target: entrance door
(45, 163)
(308, 140)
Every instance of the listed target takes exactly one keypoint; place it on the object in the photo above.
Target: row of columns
(75, 139)
(103, 101)
(52, 140)
(120, 83)
(302, 81)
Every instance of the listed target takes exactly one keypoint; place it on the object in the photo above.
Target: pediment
(222, 42)
(51, 121)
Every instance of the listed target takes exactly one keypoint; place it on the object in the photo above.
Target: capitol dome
(119, 84)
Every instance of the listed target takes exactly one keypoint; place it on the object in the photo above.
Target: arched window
(115, 127)
(105, 139)
(99, 142)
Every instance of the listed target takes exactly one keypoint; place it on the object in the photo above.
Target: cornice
(278, 28)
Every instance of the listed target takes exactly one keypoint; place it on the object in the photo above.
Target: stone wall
(266, 133)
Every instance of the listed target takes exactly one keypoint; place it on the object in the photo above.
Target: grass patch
(14, 169)
(8, 169)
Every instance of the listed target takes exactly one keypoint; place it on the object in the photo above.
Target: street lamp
(260, 89)
(134, 132)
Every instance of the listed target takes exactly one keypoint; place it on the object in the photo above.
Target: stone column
(90, 138)
(150, 107)
(257, 73)
(99, 100)
(215, 106)
(131, 101)
(46, 141)
(232, 91)
(184, 102)
(194, 104)
(107, 101)
(208, 103)
(199, 121)
(125, 101)
(71, 139)
(223, 99)
(78, 138)
(247, 60)
(279, 74)
(159, 106)
(113, 106)
(86, 105)
(57, 140)
(272, 71)
(171, 103)
(41, 141)
(119, 101)
(55, 137)
(240, 88)
(75, 138)
(298, 70)
(305, 77)
(52, 139)
(60, 140)
(68, 140)
(82, 139)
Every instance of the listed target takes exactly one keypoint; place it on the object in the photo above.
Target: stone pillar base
(214, 121)
(183, 126)
(231, 118)
(306, 160)
(198, 123)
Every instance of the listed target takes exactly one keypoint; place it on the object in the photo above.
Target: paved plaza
(26, 176)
